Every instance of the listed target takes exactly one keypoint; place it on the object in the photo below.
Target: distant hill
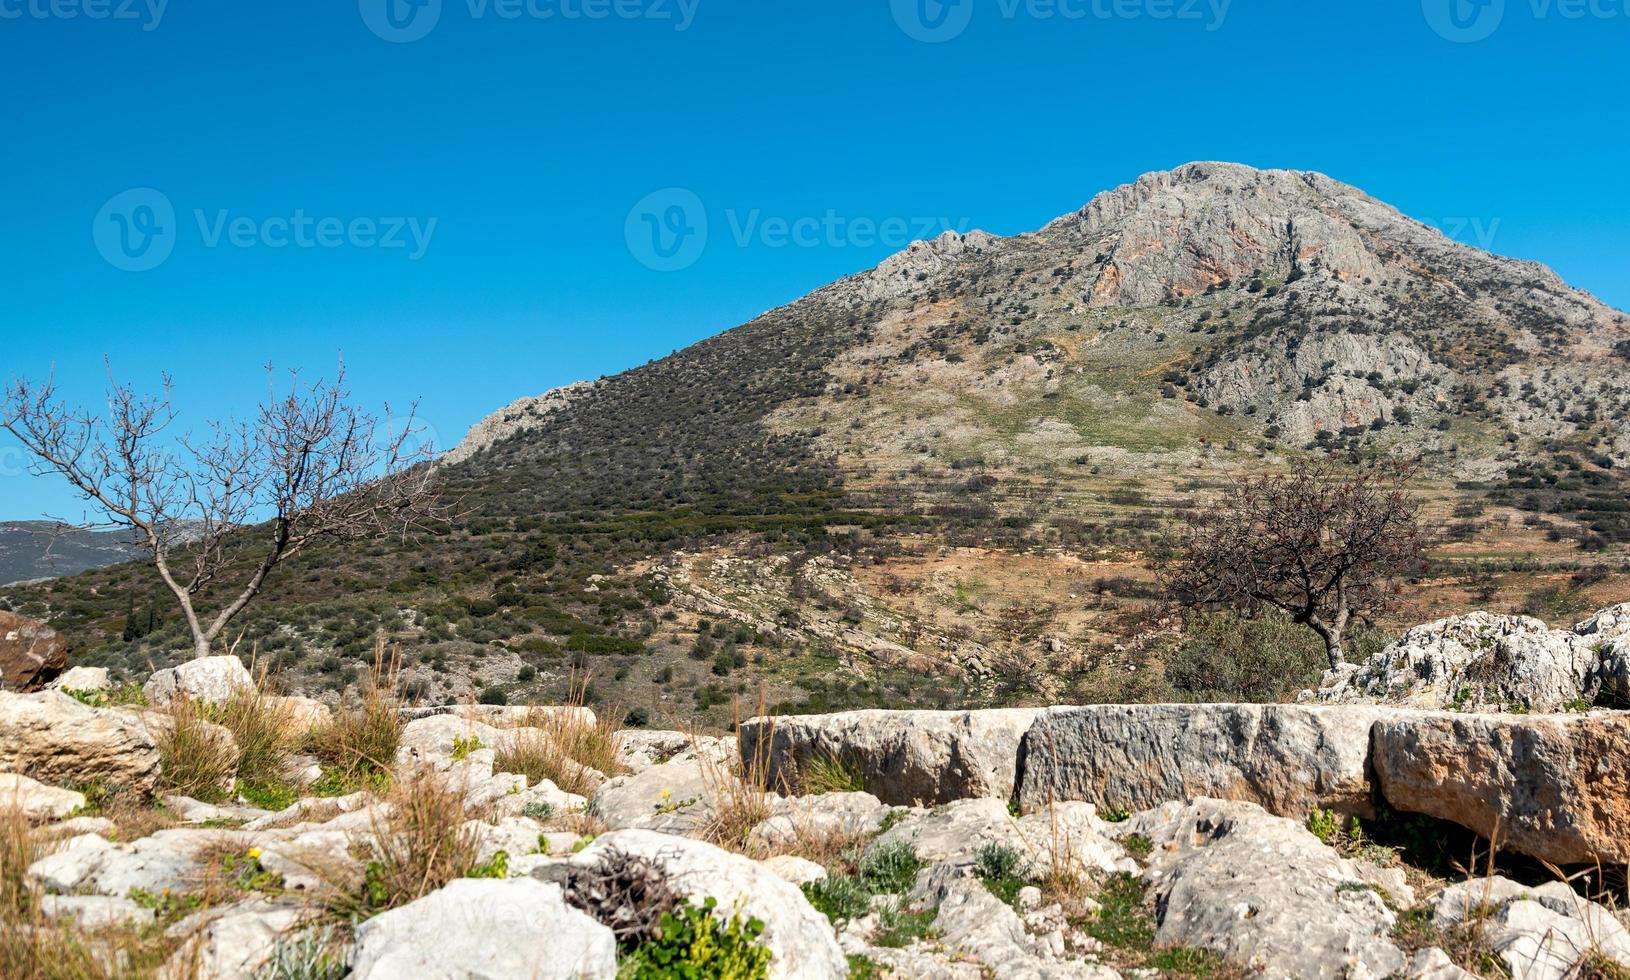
(942, 481)
(32, 550)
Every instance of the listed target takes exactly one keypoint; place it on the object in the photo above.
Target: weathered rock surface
(1262, 890)
(1068, 833)
(1608, 633)
(1478, 662)
(1542, 933)
(36, 800)
(212, 680)
(168, 860)
(1556, 788)
(977, 925)
(484, 930)
(800, 938)
(1285, 758)
(831, 815)
(232, 943)
(82, 679)
(909, 758)
(58, 740)
(31, 653)
(674, 797)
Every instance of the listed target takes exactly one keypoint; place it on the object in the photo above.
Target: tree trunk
(1332, 637)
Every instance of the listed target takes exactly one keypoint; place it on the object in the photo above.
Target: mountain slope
(939, 481)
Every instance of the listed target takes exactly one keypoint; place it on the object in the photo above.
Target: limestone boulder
(1475, 662)
(31, 653)
(904, 758)
(1284, 758)
(479, 929)
(212, 680)
(1262, 891)
(819, 818)
(1069, 834)
(58, 740)
(1554, 787)
(679, 796)
(1608, 634)
(37, 801)
(82, 679)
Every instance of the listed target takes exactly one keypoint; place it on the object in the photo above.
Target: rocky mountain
(31, 550)
(940, 482)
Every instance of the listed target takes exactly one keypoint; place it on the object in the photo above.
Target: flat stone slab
(1285, 758)
(1555, 787)
(904, 758)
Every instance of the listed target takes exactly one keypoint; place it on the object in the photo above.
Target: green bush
(696, 945)
(493, 695)
(890, 869)
(1228, 657)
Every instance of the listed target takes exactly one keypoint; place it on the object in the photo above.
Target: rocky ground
(1318, 839)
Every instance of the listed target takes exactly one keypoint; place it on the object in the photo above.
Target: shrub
(694, 943)
(839, 897)
(1003, 870)
(891, 868)
(493, 695)
(1228, 657)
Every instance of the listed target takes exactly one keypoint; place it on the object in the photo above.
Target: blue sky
(460, 213)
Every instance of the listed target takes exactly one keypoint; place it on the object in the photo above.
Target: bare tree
(217, 513)
(1324, 544)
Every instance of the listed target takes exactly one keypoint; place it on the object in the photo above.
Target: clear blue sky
(528, 139)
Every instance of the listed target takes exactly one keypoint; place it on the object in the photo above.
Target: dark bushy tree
(1325, 544)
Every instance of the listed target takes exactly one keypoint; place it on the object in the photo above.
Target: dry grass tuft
(739, 790)
(359, 745)
(33, 948)
(266, 730)
(562, 747)
(421, 846)
(196, 757)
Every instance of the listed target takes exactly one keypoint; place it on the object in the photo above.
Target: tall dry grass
(563, 747)
(266, 729)
(196, 757)
(359, 744)
(738, 788)
(415, 846)
(35, 948)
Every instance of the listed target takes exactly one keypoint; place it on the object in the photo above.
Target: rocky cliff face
(1191, 307)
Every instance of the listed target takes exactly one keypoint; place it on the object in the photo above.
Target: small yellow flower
(664, 794)
(254, 854)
